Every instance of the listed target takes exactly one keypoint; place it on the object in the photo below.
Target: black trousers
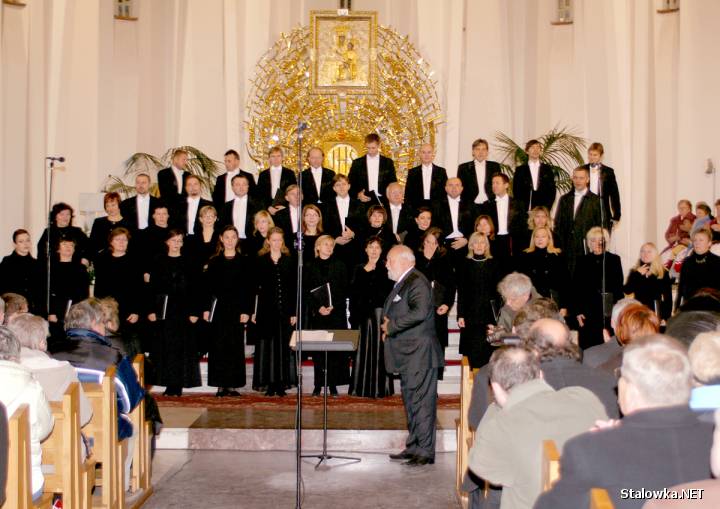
(419, 393)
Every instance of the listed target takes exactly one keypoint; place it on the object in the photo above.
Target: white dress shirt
(240, 215)
(454, 217)
(294, 218)
(343, 206)
(402, 276)
(595, 179)
(480, 170)
(178, 178)
(192, 211)
(317, 178)
(229, 195)
(143, 210)
(503, 205)
(578, 199)
(395, 216)
(534, 173)
(426, 180)
(275, 174)
(373, 169)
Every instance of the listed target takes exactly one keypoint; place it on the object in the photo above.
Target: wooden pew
(600, 499)
(462, 427)
(18, 492)
(141, 472)
(73, 476)
(550, 464)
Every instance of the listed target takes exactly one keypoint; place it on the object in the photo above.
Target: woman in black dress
(69, 284)
(649, 282)
(230, 292)
(274, 367)
(701, 269)
(589, 301)
(201, 246)
(263, 222)
(423, 220)
(22, 274)
(544, 264)
(369, 288)
(377, 226)
(175, 309)
(119, 275)
(149, 243)
(327, 311)
(477, 288)
(312, 228)
(484, 224)
(102, 226)
(61, 216)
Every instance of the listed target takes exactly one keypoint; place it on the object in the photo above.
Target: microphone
(302, 125)
(59, 159)
(709, 167)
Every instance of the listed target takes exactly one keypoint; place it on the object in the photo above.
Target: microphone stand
(606, 299)
(299, 244)
(47, 244)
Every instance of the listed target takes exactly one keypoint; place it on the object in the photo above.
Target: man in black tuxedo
(413, 350)
(399, 217)
(372, 173)
(186, 215)
(289, 218)
(425, 183)
(273, 182)
(658, 443)
(476, 175)
(317, 181)
(240, 211)
(342, 218)
(455, 218)
(510, 221)
(604, 184)
(578, 211)
(171, 180)
(223, 192)
(138, 210)
(534, 182)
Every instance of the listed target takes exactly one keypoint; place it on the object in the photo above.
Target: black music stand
(343, 341)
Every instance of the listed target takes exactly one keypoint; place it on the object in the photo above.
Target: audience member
(704, 354)
(699, 270)
(15, 304)
(650, 283)
(687, 325)
(598, 354)
(634, 322)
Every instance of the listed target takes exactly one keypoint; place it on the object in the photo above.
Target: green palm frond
(512, 154)
(198, 164)
(115, 184)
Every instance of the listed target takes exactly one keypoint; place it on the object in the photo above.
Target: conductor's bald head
(399, 260)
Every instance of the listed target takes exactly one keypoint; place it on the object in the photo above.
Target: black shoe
(419, 461)
(221, 393)
(333, 391)
(270, 392)
(402, 456)
(281, 393)
(316, 391)
(233, 393)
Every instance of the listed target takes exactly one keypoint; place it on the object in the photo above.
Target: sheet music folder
(340, 340)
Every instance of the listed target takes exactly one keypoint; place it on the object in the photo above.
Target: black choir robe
(263, 191)
(221, 184)
(309, 187)
(414, 191)
(522, 187)
(471, 187)
(359, 175)
(24, 275)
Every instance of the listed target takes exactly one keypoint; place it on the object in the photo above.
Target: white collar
(456, 200)
(240, 198)
(233, 172)
(427, 166)
(502, 198)
(143, 196)
(315, 170)
(402, 276)
(346, 198)
(396, 207)
(479, 162)
(374, 158)
(275, 168)
(581, 193)
(176, 170)
(190, 198)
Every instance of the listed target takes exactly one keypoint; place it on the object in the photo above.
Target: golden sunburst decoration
(405, 111)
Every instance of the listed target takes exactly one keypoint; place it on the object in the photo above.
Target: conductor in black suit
(273, 182)
(425, 183)
(578, 211)
(476, 175)
(413, 350)
(171, 180)
(223, 192)
(372, 173)
(534, 182)
(138, 210)
(317, 182)
(604, 184)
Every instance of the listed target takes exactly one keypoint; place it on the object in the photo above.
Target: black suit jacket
(571, 227)
(179, 216)
(263, 190)
(651, 449)
(516, 220)
(405, 221)
(309, 190)
(221, 184)
(471, 188)
(411, 345)
(523, 188)
(359, 175)
(609, 194)
(442, 219)
(226, 215)
(167, 185)
(331, 217)
(414, 196)
(129, 211)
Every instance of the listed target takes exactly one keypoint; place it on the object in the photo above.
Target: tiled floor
(247, 480)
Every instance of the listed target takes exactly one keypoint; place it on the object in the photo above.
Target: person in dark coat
(590, 307)
(262, 224)
(343, 218)
(326, 310)
(632, 454)
(368, 289)
(509, 221)
(171, 180)
(138, 210)
(399, 216)
(186, 212)
(416, 232)
(150, 242)
(545, 265)
(69, 284)
(200, 247)
(477, 288)
(317, 181)
(455, 217)
(175, 308)
(240, 210)
(229, 299)
(578, 211)
(650, 283)
(222, 192)
(102, 226)
(22, 274)
(699, 270)
(377, 225)
(371, 174)
(274, 364)
(425, 183)
(61, 216)
(534, 181)
(413, 351)
(273, 182)
(604, 184)
(476, 175)
(312, 228)
(289, 219)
